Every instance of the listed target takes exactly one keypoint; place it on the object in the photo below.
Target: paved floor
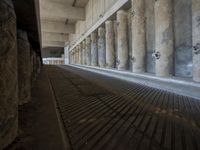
(38, 124)
(101, 112)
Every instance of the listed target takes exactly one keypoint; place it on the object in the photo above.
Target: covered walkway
(100, 112)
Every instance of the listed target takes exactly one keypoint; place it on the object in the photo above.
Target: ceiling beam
(57, 27)
(58, 11)
(52, 44)
(47, 36)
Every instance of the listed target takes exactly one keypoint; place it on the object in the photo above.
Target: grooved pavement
(101, 112)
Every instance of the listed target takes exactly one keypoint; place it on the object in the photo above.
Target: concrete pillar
(122, 40)
(8, 75)
(115, 37)
(73, 56)
(101, 48)
(164, 38)
(84, 53)
(196, 39)
(88, 51)
(77, 55)
(94, 50)
(138, 36)
(80, 53)
(24, 67)
(66, 55)
(110, 43)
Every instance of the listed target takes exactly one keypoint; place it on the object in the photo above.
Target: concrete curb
(182, 86)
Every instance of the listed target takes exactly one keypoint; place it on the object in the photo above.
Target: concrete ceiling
(58, 18)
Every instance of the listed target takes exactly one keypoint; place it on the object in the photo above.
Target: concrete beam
(108, 14)
(57, 27)
(58, 11)
(52, 44)
(47, 36)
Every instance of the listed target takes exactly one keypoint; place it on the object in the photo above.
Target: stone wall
(24, 67)
(8, 74)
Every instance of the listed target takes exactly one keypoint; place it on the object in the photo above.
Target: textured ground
(38, 123)
(100, 112)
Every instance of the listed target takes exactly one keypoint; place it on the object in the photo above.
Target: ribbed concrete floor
(105, 113)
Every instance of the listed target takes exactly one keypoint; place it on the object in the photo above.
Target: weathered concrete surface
(150, 35)
(80, 53)
(196, 39)
(8, 74)
(24, 67)
(101, 48)
(115, 38)
(88, 50)
(84, 52)
(110, 44)
(183, 38)
(138, 36)
(164, 38)
(122, 40)
(94, 49)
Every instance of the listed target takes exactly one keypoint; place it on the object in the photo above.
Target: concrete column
(115, 37)
(73, 56)
(94, 50)
(8, 75)
(122, 40)
(196, 39)
(80, 53)
(84, 52)
(77, 55)
(101, 48)
(110, 41)
(66, 55)
(164, 38)
(88, 51)
(138, 36)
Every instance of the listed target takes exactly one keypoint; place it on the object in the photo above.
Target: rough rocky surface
(24, 67)
(8, 74)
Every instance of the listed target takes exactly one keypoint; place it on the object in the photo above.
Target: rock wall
(8, 74)
(24, 67)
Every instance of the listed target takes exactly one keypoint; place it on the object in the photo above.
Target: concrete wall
(52, 52)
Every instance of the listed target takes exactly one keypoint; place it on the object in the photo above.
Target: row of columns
(110, 47)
